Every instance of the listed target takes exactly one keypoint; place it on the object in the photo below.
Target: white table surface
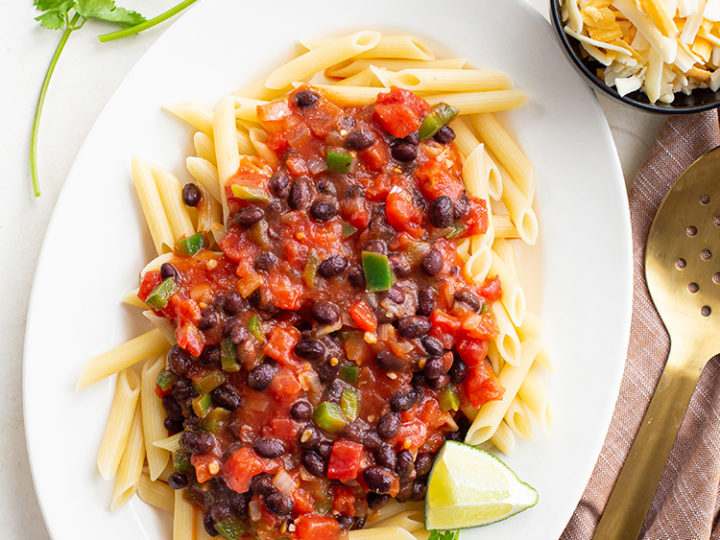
(85, 78)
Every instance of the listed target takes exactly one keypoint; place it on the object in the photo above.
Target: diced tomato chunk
(280, 343)
(284, 385)
(304, 503)
(374, 158)
(481, 384)
(314, 527)
(344, 500)
(444, 322)
(402, 213)
(345, 459)
(472, 351)
(412, 434)
(206, 466)
(189, 338)
(491, 289)
(296, 165)
(150, 280)
(400, 111)
(435, 180)
(378, 187)
(241, 466)
(476, 219)
(283, 292)
(363, 316)
(285, 429)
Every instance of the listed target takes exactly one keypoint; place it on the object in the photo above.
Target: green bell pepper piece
(329, 416)
(311, 266)
(251, 194)
(181, 461)
(211, 422)
(349, 373)
(441, 114)
(349, 403)
(165, 380)
(485, 308)
(161, 294)
(191, 245)
(455, 230)
(201, 405)
(228, 350)
(449, 399)
(348, 230)
(379, 275)
(258, 234)
(255, 328)
(338, 161)
(210, 382)
(231, 528)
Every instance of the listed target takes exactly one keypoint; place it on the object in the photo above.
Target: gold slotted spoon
(682, 267)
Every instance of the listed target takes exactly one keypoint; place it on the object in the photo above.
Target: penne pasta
(503, 439)
(246, 108)
(381, 533)
(117, 430)
(370, 76)
(204, 146)
(507, 342)
(152, 206)
(352, 67)
(183, 518)
(321, 57)
(197, 116)
(518, 420)
(408, 47)
(481, 102)
(519, 208)
(504, 227)
(153, 416)
(536, 399)
(478, 264)
(171, 443)
(350, 95)
(131, 465)
(450, 80)
(156, 494)
(245, 145)
(226, 148)
(505, 251)
(175, 209)
(513, 297)
(131, 299)
(122, 357)
(465, 139)
(206, 175)
(259, 138)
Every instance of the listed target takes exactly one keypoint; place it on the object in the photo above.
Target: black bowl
(700, 99)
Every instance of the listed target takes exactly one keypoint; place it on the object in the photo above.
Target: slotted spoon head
(682, 260)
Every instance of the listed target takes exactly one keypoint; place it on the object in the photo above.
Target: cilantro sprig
(444, 535)
(71, 15)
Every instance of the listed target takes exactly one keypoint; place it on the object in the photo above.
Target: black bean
(426, 301)
(314, 463)
(309, 437)
(432, 262)
(333, 266)
(326, 371)
(439, 382)
(220, 511)
(261, 377)
(413, 138)
(173, 426)
(434, 367)
(172, 408)
(404, 151)
(405, 464)
(445, 135)
(306, 98)
(389, 425)
(236, 331)
(414, 326)
(197, 442)
(279, 503)
(279, 185)
(345, 521)
(401, 266)
(262, 484)
(325, 449)
(377, 479)
(239, 503)
(310, 348)
(395, 294)
(386, 456)
(360, 139)
(177, 480)
(178, 360)
(419, 489)
(328, 187)
(440, 212)
(325, 312)
(458, 371)
(226, 396)
(423, 463)
(334, 391)
(269, 448)
(208, 318)
(300, 195)
(249, 216)
(384, 316)
(376, 246)
(379, 225)
(355, 431)
(191, 194)
(403, 401)
(209, 525)
(323, 210)
(418, 380)
(346, 122)
(371, 440)
(210, 356)
(182, 389)
(265, 261)
(356, 277)
(461, 205)
(376, 500)
(167, 270)
(359, 522)
(469, 298)
(233, 303)
(432, 345)
(389, 362)
(403, 495)
(301, 410)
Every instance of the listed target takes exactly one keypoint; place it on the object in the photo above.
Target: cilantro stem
(41, 101)
(147, 24)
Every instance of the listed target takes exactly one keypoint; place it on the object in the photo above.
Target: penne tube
(258, 138)
(491, 414)
(507, 341)
(350, 95)
(536, 399)
(153, 416)
(476, 175)
(507, 152)
(410, 520)
(171, 443)
(183, 518)
(175, 209)
(348, 68)
(513, 296)
(209, 212)
(393, 508)
(197, 116)
(122, 357)
(164, 476)
(380, 533)
(200, 532)
(505, 251)
(117, 430)
(258, 90)
(519, 208)
(206, 174)
(245, 146)
(518, 419)
(226, 148)
(465, 139)
(504, 227)
(246, 108)
(450, 80)
(156, 494)
(204, 146)
(481, 102)
(478, 264)
(164, 325)
(321, 57)
(399, 46)
(504, 439)
(152, 206)
(131, 299)
(131, 465)
(366, 77)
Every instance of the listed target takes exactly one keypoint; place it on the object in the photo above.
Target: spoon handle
(635, 488)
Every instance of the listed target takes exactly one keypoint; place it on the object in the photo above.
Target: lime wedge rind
(469, 487)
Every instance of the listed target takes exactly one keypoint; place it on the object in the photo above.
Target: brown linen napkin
(687, 502)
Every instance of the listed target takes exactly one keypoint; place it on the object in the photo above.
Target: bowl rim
(648, 107)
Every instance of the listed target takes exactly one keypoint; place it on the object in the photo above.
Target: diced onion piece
(284, 482)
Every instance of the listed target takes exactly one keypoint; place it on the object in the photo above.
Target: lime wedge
(469, 487)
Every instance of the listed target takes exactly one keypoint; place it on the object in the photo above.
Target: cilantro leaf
(54, 19)
(106, 10)
(46, 5)
(444, 535)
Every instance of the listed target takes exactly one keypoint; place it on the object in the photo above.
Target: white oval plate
(578, 277)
